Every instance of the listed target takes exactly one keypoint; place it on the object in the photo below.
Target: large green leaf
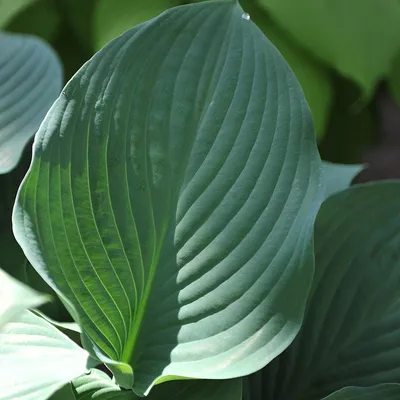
(351, 331)
(172, 197)
(10, 8)
(359, 38)
(36, 359)
(381, 392)
(30, 80)
(313, 77)
(97, 385)
(111, 18)
(16, 297)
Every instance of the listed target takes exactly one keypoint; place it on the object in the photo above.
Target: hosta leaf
(97, 385)
(351, 330)
(10, 8)
(313, 77)
(16, 297)
(338, 177)
(359, 38)
(381, 392)
(172, 197)
(63, 326)
(30, 80)
(36, 359)
(111, 18)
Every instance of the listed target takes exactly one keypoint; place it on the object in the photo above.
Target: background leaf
(183, 197)
(16, 297)
(394, 78)
(36, 359)
(10, 8)
(381, 392)
(111, 19)
(79, 15)
(338, 177)
(350, 334)
(40, 18)
(359, 38)
(314, 78)
(30, 80)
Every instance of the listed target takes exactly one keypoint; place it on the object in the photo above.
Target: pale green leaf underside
(97, 385)
(380, 392)
(351, 330)
(16, 297)
(172, 197)
(68, 326)
(36, 359)
(30, 81)
(359, 38)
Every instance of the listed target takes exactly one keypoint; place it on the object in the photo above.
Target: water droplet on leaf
(246, 16)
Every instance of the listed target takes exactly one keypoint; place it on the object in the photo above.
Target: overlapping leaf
(30, 80)
(36, 359)
(381, 392)
(172, 197)
(359, 38)
(97, 385)
(338, 177)
(351, 330)
(16, 297)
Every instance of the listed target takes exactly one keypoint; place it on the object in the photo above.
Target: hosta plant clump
(173, 204)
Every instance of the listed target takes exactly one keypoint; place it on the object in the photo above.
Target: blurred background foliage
(345, 53)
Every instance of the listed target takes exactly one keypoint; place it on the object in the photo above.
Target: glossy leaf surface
(172, 197)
